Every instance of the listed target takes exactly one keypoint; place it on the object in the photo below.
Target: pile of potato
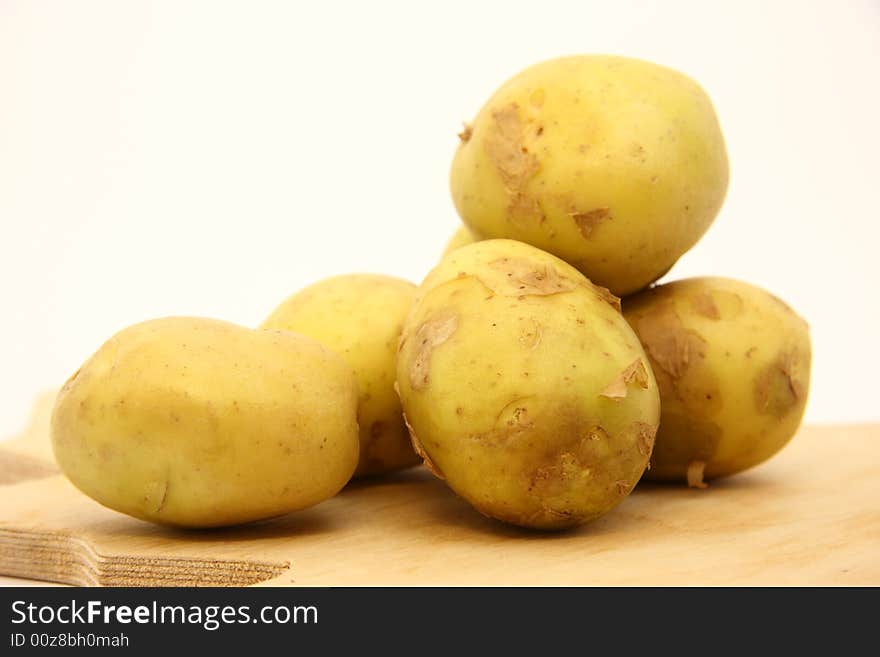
(510, 371)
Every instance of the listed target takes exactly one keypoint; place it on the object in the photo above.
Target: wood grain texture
(811, 516)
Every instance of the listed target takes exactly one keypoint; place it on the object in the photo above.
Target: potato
(359, 316)
(615, 165)
(733, 365)
(201, 423)
(461, 237)
(524, 388)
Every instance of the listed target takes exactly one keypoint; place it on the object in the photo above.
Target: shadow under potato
(307, 522)
(415, 501)
(739, 481)
(433, 506)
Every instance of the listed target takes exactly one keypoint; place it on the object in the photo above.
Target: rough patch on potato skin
(588, 221)
(524, 277)
(585, 477)
(695, 470)
(607, 296)
(647, 433)
(515, 414)
(571, 486)
(576, 463)
(777, 388)
(704, 305)
(430, 335)
(511, 422)
(635, 372)
(531, 336)
(678, 356)
(417, 446)
(669, 344)
(505, 146)
(466, 133)
(560, 471)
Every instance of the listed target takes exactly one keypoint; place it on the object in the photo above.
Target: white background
(209, 158)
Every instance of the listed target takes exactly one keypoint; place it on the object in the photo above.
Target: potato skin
(201, 423)
(616, 165)
(524, 388)
(461, 237)
(359, 316)
(733, 365)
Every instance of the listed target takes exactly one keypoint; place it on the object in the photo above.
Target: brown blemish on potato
(571, 468)
(558, 471)
(635, 372)
(466, 133)
(84, 406)
(777, 388)
(561, 517)
(646, 434)
(669, 344)
(524, 277)
(516, 165)
(514, 414)
(588, 221)
(704, 305)
(597, 433)
(430, 335)
(377, 429)
(590, 458)
(607, 296)
(729, 304)
(417, 446)
(695, 470)
(511, 422)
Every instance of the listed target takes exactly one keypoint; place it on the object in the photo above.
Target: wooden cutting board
(811, 516)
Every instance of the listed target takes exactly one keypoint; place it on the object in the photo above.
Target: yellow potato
(524, 387)
(201, 423)
(359, 316)
(461, 237)
(615, 165)
(733, 365)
